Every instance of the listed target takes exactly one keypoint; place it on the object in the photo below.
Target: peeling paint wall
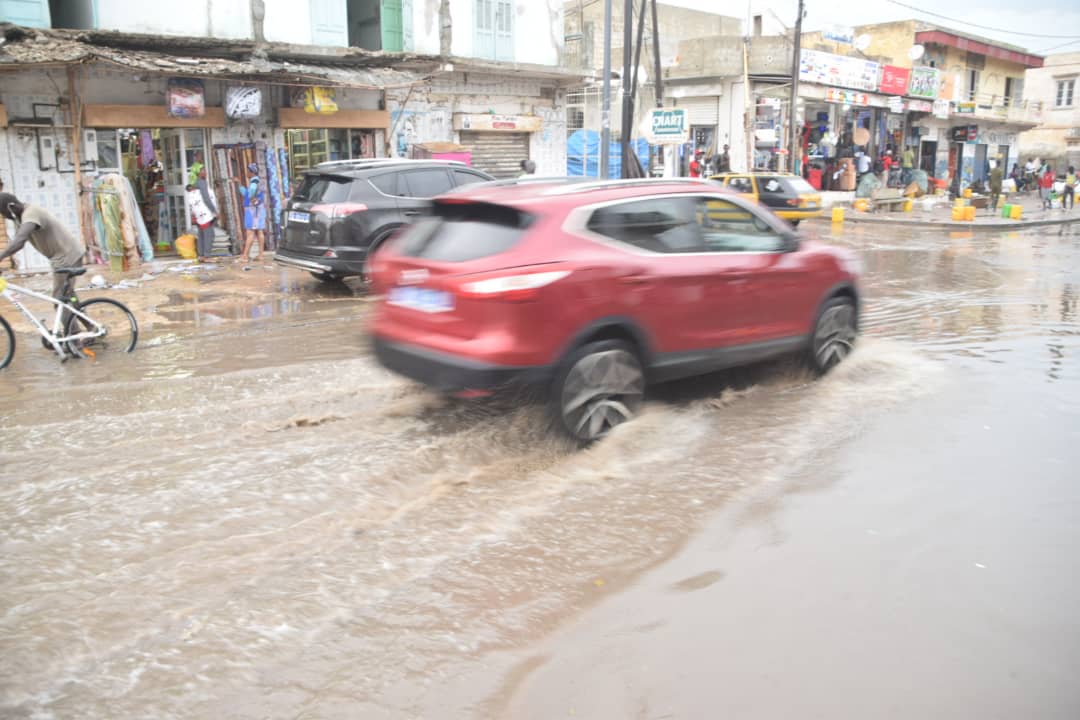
(429, 113)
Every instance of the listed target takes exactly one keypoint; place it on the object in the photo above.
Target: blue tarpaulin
(583, 155)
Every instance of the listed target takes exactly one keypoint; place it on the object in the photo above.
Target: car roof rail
(369, 162)
(621, 183)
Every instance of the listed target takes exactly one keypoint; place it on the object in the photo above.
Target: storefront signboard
(243, 103)
(942, 108)
(894, 80)
(489, 122)
(964, 133)
(185, 98)
(924, 83)
(838, 70)
(920, 106)
(846, 97)
(840, 34)
(895, 104)
(666, 126)
(965, 108)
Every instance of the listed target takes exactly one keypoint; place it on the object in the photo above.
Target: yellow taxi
(789, 196)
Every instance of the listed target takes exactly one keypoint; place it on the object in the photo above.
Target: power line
(983, 27)
(1043, 52)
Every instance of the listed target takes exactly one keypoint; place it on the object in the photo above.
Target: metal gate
(497, 153)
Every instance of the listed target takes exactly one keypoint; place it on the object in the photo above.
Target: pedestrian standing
(254, 213)
(1070, 188)
(528, 168)
(723, 161)
(907, 165)
(695, 164)
(862, 164)
(996, 177)
(204, 211)
(1046, 185)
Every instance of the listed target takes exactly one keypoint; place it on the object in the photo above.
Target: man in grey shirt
(47, 235)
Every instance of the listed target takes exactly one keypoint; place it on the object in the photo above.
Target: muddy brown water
(248, 518)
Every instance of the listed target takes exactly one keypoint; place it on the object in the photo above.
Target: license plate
(811, 204)
(296, 216)
(422, 299)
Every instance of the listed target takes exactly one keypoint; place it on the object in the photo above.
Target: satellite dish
(916, 52)
(862, 42)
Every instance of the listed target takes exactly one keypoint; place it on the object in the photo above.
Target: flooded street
(249, 518)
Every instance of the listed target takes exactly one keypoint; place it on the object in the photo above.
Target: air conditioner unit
(89, 144)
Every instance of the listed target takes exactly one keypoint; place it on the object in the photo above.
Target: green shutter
(390, 18)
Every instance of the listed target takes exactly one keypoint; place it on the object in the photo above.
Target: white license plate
(422, 299)
(296, 216)
(811, 205)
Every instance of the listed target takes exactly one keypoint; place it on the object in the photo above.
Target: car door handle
(410, 213)
(635, 279)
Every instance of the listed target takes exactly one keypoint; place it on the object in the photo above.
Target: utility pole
(627, 113)
(793, 144)
(605, 112)
(749, 110)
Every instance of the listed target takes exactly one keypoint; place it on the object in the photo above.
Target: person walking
(37, 226)
(1070, 188)
(695, 164)
(997, 175)
(204, 211)
(528, 168)
(254, 213)
(1046, 184)
(862, 164)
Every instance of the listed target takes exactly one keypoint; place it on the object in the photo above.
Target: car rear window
(798, 185)
(462, 232)
(320, 188)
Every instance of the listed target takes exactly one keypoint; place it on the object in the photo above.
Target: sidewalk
(936, 211)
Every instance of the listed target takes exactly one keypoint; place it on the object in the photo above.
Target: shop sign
(965, 108)
(490, 122)
(894, 80)
(920, 106)
(924, 83)
(895, 104)
(243, 103)
(666, 126)
(840, 34)
(942, 108)
(185, 98)
(846, 97)
(315, 100)
(964, 133)
(838, 70)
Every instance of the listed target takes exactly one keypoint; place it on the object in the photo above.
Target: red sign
(894, 80)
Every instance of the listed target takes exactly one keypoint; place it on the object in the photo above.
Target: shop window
(493, 37)
(1065, 90)
(972, 84)
(379, 24)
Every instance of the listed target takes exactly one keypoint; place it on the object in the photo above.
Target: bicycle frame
(11, 293)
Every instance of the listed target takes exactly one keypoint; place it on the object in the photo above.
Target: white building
(1056, 88)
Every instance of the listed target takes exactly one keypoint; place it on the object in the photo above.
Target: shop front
(497, 144)
(343, 135)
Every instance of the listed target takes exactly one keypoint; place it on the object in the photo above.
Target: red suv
(600, 289)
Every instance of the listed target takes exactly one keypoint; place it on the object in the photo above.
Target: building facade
(287, 89)
(956, 100)
(1055, 87)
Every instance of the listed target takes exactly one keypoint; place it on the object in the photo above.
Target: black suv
(343, 210)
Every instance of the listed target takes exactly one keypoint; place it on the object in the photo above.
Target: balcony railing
(1000, 107)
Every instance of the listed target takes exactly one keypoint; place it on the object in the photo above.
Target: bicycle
(90, 327)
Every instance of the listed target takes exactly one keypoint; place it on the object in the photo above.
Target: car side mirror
(789, 242)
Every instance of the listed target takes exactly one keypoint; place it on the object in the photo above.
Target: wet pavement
(248, 518)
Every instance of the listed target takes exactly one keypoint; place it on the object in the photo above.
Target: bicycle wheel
(121, 330)
(7, 342)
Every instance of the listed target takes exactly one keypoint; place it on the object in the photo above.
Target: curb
(951, 224)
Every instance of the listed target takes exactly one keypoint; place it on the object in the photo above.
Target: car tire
(326, 277)
(372, 249)
(835, 332)
(601, 385)
(795, 223)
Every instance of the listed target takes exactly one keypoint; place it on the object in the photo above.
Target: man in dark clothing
(723, 161)
(48, 236)
(996, 177)
(205, 240)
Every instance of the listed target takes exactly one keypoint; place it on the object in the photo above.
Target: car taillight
(514, 288)
(794, 202)
(339, 210)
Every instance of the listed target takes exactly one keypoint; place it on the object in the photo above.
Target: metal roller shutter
(700, 110)
(497, 153)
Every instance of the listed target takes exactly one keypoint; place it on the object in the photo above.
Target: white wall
(287, 21)
(200, 18)
(538, 29)
(425, 17)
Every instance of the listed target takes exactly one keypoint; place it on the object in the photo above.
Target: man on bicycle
(48, 236)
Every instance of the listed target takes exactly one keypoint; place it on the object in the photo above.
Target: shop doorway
(956, 151)
(307, 148)
(928, 156)
(1003, 157)
(181, 148)
(978, 172)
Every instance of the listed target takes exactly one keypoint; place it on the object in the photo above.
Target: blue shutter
(484, 37)
(329, 23)
(504, 30)
(31, 13)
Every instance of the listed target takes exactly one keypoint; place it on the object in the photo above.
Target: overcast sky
(1021, 16)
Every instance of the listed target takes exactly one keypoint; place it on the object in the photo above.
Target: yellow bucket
(185, 245)
(1017, 211)
(967, 192)
(838, 214)
(957, 214)
(969, 213)
(959, 202)
(909, 205)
